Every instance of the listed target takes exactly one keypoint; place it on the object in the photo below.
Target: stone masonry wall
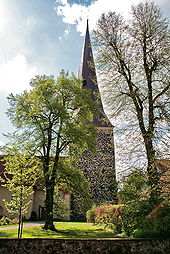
(78, 246)
(99, 168)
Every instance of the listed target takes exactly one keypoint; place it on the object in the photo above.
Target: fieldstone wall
(99, 168)
(103, 246)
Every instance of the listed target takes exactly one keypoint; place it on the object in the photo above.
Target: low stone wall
(85, 246)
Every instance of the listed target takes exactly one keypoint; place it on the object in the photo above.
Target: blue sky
(45, 36)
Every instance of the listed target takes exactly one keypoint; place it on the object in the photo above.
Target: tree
(134, 187)
(21, 173)
(53, 116)
(134, 61)
(73, 181)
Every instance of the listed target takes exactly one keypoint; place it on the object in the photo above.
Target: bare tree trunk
(20, 217)
(19, 225)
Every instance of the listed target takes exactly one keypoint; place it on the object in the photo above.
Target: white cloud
(15, 31)
(61, 1)
(77, 13)
(15, 75)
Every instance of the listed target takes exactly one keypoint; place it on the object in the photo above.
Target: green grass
(71, 230)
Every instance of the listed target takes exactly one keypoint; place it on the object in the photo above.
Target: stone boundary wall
(84, 246)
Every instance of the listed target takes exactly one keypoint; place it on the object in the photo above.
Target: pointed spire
(87, 68)
(87, 72)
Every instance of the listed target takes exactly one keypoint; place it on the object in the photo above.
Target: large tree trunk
(50, 184)
(49, 206)
(153, 176)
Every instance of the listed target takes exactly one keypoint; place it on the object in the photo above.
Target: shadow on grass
(72, 233)
(64, 230)
(7, 233)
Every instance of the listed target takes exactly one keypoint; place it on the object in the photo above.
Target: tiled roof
(163, 165)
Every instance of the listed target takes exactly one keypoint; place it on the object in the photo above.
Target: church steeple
(87, 72)
(87, 68)
(98, 167)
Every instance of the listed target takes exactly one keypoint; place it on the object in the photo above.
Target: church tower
(98, 168)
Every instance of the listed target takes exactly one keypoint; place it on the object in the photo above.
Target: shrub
(108, 216)
(159, 222)
(145, 233)
(91, 214)
(61, 210)
(79, 207)
(133, 215)
(137, 223)
(8, 221)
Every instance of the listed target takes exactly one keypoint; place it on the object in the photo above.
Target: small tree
(21, 173)
(72, 181)
(134, 187)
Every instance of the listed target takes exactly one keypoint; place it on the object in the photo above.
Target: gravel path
(26, 225)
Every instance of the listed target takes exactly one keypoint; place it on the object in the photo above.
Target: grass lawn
(72, 230)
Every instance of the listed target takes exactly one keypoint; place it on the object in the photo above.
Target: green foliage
(108, 216)
(72, 179)
(79, 207)
(51, 121)
(54, 110)
(21, 173)
(156, 225)
(134, 195)
(61, 209)
(7, 221)
(91, 214)
(133, 215)
(134, 186)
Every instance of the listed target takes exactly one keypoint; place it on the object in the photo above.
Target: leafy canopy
(53, 115)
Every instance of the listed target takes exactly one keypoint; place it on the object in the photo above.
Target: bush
(158, 223)
(133, 215)
(133, 186)
(79, 207)
(91, 214)
(137, 223)
(8, 221)
(145, 233)
(61, 210)
(108, 216)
